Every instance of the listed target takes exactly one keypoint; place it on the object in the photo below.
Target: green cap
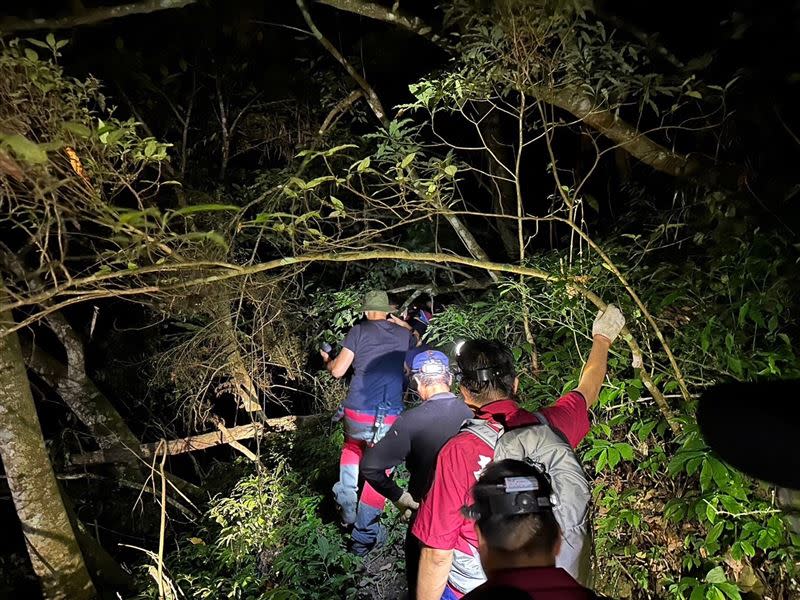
(376, 300)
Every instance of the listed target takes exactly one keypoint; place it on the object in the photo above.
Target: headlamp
(515, 496)
(432, 367)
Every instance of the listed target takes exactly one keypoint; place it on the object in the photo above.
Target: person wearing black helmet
(518, 536)
(449, 561)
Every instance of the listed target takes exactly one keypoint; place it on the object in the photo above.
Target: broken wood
(192, 443)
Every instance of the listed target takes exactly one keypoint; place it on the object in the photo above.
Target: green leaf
(743, 313)
(337, 149)
(716, 575)
(592, 202)
(730, 590)
(25, 149)
(317, 181)
(451, 170)
(337, 204)
(408, 160)
(713, 593)
(601, 462)
(77, 128)
(199, 208)
(715, 532)
(150, 148)
(705, 337)
(51, 40)
(711, 513)
(37, 43)
(706, 476)
(613, 457)
(720, 472)
(698, 593)
(735, 365)
(625, 450)
(30, 54)
(694, 94)
(363, 165)
(729, 342)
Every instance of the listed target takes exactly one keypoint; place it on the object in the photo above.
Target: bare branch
(369, 93)
(195, 442)
(375, 11)
(337, 111)
(92, 16)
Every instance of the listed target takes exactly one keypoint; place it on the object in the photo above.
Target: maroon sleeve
(570, 416)
(439, 519)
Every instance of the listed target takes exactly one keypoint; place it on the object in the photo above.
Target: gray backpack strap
(482, 430)
(544, 421)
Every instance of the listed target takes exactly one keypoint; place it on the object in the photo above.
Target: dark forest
(197, 196)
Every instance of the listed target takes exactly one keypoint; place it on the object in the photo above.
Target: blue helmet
(430, 362)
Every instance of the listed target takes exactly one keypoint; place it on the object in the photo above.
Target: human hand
(609, 323)
(406, 505)
(325, 356)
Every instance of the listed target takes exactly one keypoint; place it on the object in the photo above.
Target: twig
(337, 111)
(163, 525)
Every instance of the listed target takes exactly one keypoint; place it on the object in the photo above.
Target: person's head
(513, 516)
(430, 371)
(487, 371)
(376, 305)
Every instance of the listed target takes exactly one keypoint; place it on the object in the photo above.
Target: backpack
(548, 449)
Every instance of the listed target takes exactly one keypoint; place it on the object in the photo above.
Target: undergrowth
(671, 519)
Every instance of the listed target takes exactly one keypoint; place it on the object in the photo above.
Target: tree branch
(231, 271)
(572, 100)
(369, 94)
(90, 17)
(625, 135)
(382, 13)
(193, 443)
(337, 111)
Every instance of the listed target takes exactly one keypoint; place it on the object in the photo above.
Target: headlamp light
(515, 496)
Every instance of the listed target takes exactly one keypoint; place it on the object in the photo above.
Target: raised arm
(605, 330)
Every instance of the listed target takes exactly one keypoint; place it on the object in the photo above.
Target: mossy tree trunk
(50, 539)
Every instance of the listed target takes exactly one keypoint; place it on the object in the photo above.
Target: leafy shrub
(265, 539)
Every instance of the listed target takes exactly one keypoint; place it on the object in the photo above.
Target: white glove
(406, 505)
(609, 323)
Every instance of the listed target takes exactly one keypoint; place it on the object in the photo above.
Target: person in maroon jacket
(518, 536)
(449, 562)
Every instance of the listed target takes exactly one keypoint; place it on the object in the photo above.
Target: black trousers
(413, 549)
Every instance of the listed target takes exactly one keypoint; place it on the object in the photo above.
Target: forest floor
(383, 575)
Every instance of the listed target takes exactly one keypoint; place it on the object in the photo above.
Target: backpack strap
(483, 431)
(544, 421)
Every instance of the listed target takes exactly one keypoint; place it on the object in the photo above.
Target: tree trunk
(80, 393)
(51, 542)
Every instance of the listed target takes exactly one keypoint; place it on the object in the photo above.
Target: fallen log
(194, 442)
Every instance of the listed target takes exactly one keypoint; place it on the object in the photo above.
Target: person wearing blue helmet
(416, 438)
